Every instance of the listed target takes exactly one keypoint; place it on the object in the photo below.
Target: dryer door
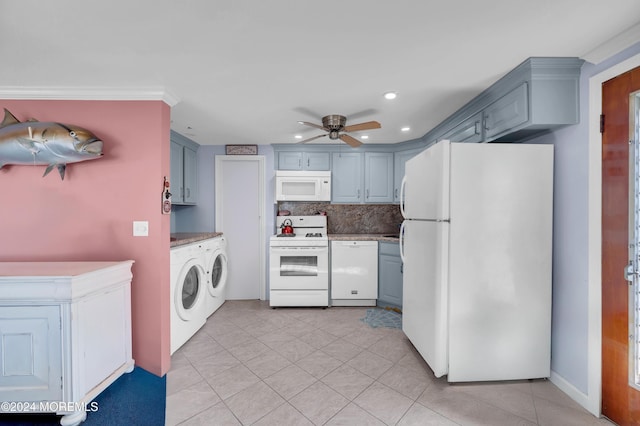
(217, 274)
(189, 291)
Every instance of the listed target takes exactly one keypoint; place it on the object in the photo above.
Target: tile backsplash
(351, 218)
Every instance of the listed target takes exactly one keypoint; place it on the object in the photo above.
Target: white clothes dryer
(215, 265)
(188, 291)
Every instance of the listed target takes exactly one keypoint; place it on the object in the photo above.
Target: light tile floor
(253, 365)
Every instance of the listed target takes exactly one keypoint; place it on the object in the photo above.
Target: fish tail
(48, 169)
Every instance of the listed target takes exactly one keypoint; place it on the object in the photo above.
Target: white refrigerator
(476, 244)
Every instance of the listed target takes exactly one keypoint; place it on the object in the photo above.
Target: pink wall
(89, 215)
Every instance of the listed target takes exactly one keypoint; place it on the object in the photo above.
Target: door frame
(260, 159)
(592, 401)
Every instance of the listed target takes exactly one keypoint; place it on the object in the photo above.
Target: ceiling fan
(335, 126)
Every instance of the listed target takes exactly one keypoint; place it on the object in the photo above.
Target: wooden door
(620, 401)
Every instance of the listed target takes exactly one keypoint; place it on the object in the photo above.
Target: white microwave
(302, 185)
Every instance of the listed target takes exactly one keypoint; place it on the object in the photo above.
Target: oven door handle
(298, 249)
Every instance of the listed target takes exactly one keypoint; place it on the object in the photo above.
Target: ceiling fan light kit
(335, 126)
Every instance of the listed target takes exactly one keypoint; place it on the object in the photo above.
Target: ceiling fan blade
(310, 139)
(350, 140)
(317, 126)
(362, 126)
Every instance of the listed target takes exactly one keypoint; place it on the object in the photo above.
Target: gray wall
(569, 351)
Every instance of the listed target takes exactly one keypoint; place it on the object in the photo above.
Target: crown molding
(617, 44)
(89, 93)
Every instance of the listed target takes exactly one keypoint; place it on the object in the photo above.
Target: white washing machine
(215, 265)
(188, 293)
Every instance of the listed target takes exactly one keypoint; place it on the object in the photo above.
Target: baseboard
(583, 399)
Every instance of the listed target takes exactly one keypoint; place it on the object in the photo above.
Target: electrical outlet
(140, 228)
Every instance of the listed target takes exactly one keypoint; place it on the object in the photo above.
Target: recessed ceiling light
(390, 95)
(364, 137)
(406, 129)
(298, 136)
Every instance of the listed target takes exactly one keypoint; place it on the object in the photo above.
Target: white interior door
(240, 216)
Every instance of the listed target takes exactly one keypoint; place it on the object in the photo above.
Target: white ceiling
(246, 71)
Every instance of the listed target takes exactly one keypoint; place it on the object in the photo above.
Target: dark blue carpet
(137, 398)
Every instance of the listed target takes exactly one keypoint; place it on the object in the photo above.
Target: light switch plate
(140, 228)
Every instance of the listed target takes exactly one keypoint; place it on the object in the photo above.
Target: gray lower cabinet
(389, 275)
(300, 160)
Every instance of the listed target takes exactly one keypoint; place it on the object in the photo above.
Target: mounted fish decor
(45, 143)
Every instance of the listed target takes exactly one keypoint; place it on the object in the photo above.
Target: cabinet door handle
(395, 193)
(477, 128)
(181, 192)
(367, 196)
(188, 192)
(308, 162)
(358, 194)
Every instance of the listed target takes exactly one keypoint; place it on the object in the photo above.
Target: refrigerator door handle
(401, 242)
(402, 185)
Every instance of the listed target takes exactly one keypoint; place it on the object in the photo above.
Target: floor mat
(378, 317)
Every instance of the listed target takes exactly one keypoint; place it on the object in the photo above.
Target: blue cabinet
(539, 95)
(184, 170)
(399, 160)
(292, 160)
(470, 130)
(508, 112)
(378, 177)
(362, 177)
(346, 177)
(389, 275)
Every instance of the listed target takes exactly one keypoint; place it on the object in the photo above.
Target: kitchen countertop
(181, 238)
(363, 237)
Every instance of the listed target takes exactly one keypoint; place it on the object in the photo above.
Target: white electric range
(299, 263)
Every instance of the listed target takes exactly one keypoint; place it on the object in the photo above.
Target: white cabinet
(65, 331)
(354, 273)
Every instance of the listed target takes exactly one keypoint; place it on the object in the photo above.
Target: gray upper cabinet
(184, 170)
(470, 130)
(538, 95)
(291, 160)
(346, 177)
(378, 180)
(508, 112)
(399, 160)
(358, 177)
